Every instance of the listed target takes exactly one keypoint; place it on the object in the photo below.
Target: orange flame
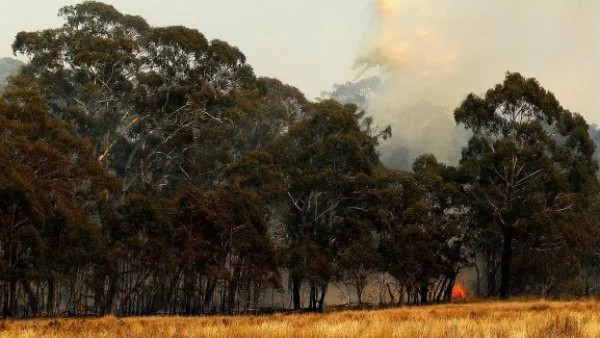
(458, 292)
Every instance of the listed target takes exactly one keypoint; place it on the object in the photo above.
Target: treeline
(147, 170)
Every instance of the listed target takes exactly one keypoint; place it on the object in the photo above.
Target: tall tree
(222, 236)
(424, 227)
(160, 105)
(326, 162)
(142, 251)
(531, 163)
(52, 188)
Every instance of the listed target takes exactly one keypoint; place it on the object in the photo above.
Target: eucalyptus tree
(531, 165)
(424, 227)
(326, 162)
(52, 187)
(159, 104)
(223, 238)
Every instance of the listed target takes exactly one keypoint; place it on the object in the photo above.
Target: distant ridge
(8, 67)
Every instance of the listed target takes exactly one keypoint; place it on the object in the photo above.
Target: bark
(296, 284)
(12, 299)
(360, 286)
(208, 295)
(449, 288)
(505, 278)
(322, 299)
(359, 292)
(313, 296)
(112, 292)
(492, 286)
(423, 290)
(232, 295)
(33, 300)
(389, 290)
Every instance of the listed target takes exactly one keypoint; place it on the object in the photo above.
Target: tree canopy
(148, 170)
(531, 163)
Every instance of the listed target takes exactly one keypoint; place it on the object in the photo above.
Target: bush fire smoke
(429, 54)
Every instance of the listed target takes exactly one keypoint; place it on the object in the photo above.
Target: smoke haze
(430, 54)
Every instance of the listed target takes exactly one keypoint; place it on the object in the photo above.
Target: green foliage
(531, 166)
(424, 226)
(326, 162)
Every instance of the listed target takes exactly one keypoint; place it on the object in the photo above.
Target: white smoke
(432, 53)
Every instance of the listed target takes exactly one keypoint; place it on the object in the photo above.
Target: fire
(458, 292)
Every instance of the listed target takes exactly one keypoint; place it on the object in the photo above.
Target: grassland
(490, 319)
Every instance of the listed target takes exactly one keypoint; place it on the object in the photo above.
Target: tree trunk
(392, 298)
(322, 300)
(449, 288)
(33, 301)
(208, 295)
(359, 292)
(113, 284)
(313, 296)
(296, 284)
(5, 295)
(12, 299)
(423, 293)
(492, 285)
(506, 262)
(232, 295)
(587, 287)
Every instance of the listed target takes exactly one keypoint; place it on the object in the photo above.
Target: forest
(147, 170)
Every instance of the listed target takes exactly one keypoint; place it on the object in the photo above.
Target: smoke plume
(429, 54)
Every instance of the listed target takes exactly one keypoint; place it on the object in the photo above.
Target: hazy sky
(310, 44)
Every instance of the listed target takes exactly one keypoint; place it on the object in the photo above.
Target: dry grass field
(490, 319)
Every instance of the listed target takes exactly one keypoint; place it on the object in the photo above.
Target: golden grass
(486, 319)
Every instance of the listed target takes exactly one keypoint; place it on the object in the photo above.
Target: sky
(310, 44)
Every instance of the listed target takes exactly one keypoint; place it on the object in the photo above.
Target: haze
(443, 49)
